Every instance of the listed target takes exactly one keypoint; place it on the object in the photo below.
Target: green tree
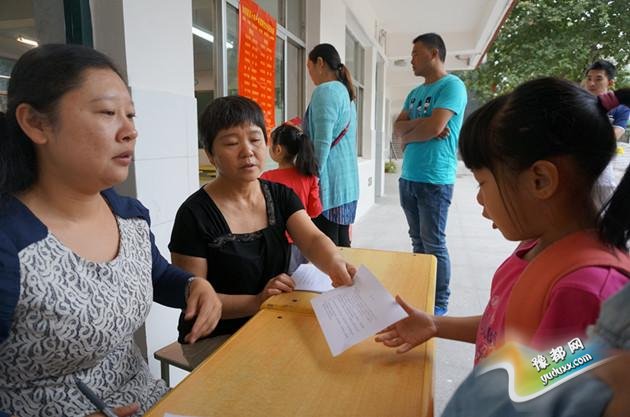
(554, 38)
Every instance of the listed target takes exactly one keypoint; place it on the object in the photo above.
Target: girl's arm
(463, 329)
(314, 207)
(234, 305)
(319, 249)
(420, 327)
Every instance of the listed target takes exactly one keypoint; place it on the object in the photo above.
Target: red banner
(256, 58)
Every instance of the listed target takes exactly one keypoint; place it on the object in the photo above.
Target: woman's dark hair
(39, 78)
(226, 112)
(331, 57)
(298, 146)
(547, 118)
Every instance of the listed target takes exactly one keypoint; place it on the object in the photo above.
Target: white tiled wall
(165, 122)
(163, 185)
(366, 186)
(166, 173)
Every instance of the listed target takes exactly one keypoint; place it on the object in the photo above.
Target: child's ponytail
(614, 226)
(305, 159)
(298, 147)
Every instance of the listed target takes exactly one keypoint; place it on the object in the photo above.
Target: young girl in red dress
(297, 169)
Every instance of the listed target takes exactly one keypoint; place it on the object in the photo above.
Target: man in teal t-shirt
(428, 127)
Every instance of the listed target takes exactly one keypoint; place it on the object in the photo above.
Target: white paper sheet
(348, 315)
(308, 277)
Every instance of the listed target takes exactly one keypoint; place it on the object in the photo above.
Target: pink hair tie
(608, 100)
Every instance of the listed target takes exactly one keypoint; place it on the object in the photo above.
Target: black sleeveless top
(237, 263)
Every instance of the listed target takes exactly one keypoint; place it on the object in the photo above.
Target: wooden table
(279, 364)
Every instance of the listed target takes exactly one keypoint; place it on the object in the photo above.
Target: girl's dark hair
(226, 112)
(298, 146)
(547, 118)
(331, 57)
(39, 78)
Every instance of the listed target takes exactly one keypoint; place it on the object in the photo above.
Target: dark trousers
(338, 233)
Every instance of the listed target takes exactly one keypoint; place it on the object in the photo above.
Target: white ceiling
(467, 27)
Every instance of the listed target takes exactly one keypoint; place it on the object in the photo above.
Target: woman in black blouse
(232, 230)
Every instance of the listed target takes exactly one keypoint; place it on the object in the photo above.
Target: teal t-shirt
(435, 161)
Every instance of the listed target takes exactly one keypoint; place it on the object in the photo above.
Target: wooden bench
(186, 357)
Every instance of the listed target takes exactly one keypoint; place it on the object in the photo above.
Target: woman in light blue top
(331, 121)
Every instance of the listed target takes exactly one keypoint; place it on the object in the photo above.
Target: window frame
(359, 85)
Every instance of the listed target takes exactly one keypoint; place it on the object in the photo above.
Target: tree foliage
(554, 38)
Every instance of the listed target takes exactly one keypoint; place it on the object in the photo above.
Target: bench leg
(164, 371)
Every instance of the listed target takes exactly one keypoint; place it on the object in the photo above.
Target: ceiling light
(5, 76)
(203, 34)
(27, 41)
(209, 36)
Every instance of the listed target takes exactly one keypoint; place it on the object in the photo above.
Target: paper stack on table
(308, 277)
(348, 315)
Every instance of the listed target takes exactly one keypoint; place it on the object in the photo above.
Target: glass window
(295, 80)
(355, 61)
(350, 53)
(359, 104)
(204, 29)
(17, 35)
(355, 57)
(274, 7)
(279, 81)
(295, 17)
(6, 65)
(290, 102)
(232, 49)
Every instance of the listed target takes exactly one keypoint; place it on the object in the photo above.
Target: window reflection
(280, 93)
(355, 58)
(203, 30)
(274, 8)
(18, 34)
(295, 80)
(232, 49)
(295, 17)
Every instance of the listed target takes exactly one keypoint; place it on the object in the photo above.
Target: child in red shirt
(297, 169)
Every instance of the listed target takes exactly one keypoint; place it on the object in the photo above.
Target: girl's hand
(279, 284)
(341, 272)
(203, 302)
(409, 332)
(124, 411)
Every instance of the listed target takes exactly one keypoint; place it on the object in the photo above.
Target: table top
(279, 363)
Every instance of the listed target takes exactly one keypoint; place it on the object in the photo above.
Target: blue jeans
(426, 208)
